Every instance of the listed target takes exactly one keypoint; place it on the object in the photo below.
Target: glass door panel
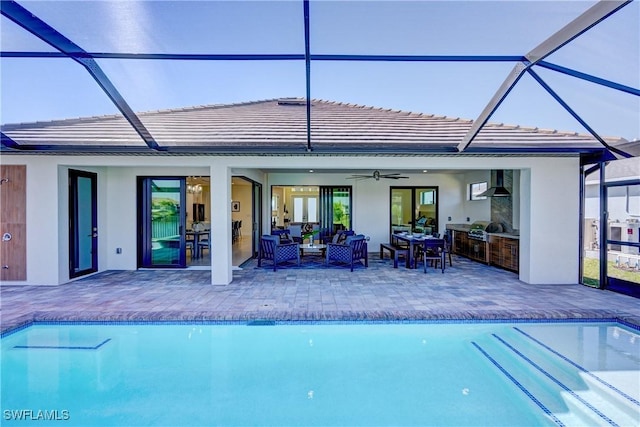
(426, 212)
(623, 237)
(163, 238)
(256, 229)
(335, 211)
(341, 204)
(83, 238)
(165, 222)
(414, 209)
(84, 224)
(590, 234)
(401, 212)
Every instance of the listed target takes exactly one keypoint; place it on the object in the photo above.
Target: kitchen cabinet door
(461, 243)
(478, 250)
(495, 249)
(510, 254)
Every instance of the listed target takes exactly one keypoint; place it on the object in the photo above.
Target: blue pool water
(325, 374)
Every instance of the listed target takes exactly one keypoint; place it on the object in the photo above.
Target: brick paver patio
(467, 290)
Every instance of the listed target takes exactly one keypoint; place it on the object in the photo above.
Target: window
(476, 189)
(427, 197)
(305, 209)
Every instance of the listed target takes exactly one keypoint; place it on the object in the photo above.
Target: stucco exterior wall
(547, 203)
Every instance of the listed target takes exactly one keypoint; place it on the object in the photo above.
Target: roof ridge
(207, 106)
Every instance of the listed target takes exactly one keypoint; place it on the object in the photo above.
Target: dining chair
(190, 243)
(447, 247)
(202, 245)
(431, 250)
(234, 231)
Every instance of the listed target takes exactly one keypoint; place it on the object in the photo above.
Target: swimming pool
(327, 373)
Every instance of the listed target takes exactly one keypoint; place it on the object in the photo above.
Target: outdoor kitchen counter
(507, 235)
(500, 249)
(459, 227)
(466, 227)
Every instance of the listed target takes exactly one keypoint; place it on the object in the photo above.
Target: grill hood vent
(497, 190)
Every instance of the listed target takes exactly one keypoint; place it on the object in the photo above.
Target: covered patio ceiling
(118, 59)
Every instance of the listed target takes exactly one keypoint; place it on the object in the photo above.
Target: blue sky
(45, 89)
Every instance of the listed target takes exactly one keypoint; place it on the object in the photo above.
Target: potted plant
(309, 235)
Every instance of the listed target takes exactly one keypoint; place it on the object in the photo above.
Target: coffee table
(315, 249)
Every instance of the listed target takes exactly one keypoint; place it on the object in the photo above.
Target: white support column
(525, 226)
(549, 204)
(220, 237)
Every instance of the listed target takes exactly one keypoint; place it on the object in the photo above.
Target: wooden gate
(13, 225)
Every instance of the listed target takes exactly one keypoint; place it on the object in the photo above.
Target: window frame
(473, 195)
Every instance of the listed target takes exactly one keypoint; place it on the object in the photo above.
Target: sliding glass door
(162, 221)
(325, 208)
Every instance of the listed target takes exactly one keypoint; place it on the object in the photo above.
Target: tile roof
(619, 170)
(281, 124)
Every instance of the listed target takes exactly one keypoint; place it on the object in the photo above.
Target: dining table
(411, 241)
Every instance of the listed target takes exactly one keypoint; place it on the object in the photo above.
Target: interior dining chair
(235, 229)
(202, 245)
(189, 247)
(190, 243)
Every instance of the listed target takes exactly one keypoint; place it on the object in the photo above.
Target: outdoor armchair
(352, 250)
(295, 231)
(284, 235)
(272, 250)
(340, 236)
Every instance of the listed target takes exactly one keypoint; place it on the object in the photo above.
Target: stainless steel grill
(479, 229)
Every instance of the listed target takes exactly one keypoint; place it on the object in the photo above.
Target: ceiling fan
(377, 175)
